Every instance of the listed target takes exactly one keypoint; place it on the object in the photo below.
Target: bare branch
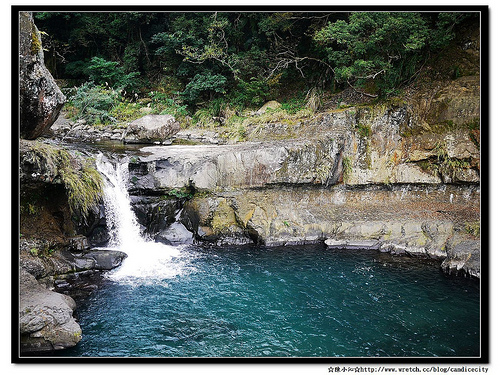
(361, 92)
(372, 76)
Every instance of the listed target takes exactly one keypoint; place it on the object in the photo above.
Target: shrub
(204, 86)
(293, 105)
(104, 72)
(211, 114)
(94, 103)
(252, 94)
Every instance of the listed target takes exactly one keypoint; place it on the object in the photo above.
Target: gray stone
(151, 129)
(175, 234)
(366, 245)
(463, 257)
(273, 104)
(105, 260)
(335, 244)
(45, 318)
(40, 98)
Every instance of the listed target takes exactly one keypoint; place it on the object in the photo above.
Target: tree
(384, 47)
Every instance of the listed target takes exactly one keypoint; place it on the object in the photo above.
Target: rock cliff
(40, 98)
(394, 176)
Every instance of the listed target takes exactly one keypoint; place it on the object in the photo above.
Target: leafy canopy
(246, 58)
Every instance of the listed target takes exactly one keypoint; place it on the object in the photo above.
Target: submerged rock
(175, 234)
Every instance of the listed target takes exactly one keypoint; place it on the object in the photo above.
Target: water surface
(282, 302)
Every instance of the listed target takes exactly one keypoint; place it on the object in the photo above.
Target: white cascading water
(146, 261)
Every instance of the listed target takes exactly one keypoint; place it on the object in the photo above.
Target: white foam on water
(147, 262)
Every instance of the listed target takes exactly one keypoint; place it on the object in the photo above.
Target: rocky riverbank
(47, 283)
(364, 176)
(368, 176)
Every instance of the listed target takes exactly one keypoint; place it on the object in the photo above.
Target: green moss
(473, 228)
(346, 167)
(183, 193)
(474, 124)
(125, 112)
(322, 172)
(83, 184)
(36, 44)
(444, 164)
(223, 218)
(43, 251)
(363, 130)
(83, 187)
(443, 127)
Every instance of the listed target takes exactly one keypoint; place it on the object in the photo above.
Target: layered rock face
(52, 258)
(40, 98)
(45, 308)
(384, 177)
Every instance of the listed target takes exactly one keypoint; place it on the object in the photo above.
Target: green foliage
(473, 228)
(44, 250)
(474, 132)
(184, 193)
(385, 47)
(125, 111)
(32, 209)
(103, 72)
(83, 187)
(248, 57)
(293, 105)
(210, 114)
(474, 124)
(204, 86)
(75, 37)
(253, 93)
(163, 104)
(363, 130)
(94, 103)
(446, 165)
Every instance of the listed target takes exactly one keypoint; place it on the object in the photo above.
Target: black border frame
(483, 358)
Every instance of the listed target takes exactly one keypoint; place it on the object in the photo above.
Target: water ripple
(284, 302)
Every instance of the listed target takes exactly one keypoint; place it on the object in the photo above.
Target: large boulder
(151, 129)
(40, 98)
(45, 318)
(272, 105)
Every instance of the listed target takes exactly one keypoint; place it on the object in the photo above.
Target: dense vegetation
(201, 64)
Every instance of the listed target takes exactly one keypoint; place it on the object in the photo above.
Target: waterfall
(146, 260)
